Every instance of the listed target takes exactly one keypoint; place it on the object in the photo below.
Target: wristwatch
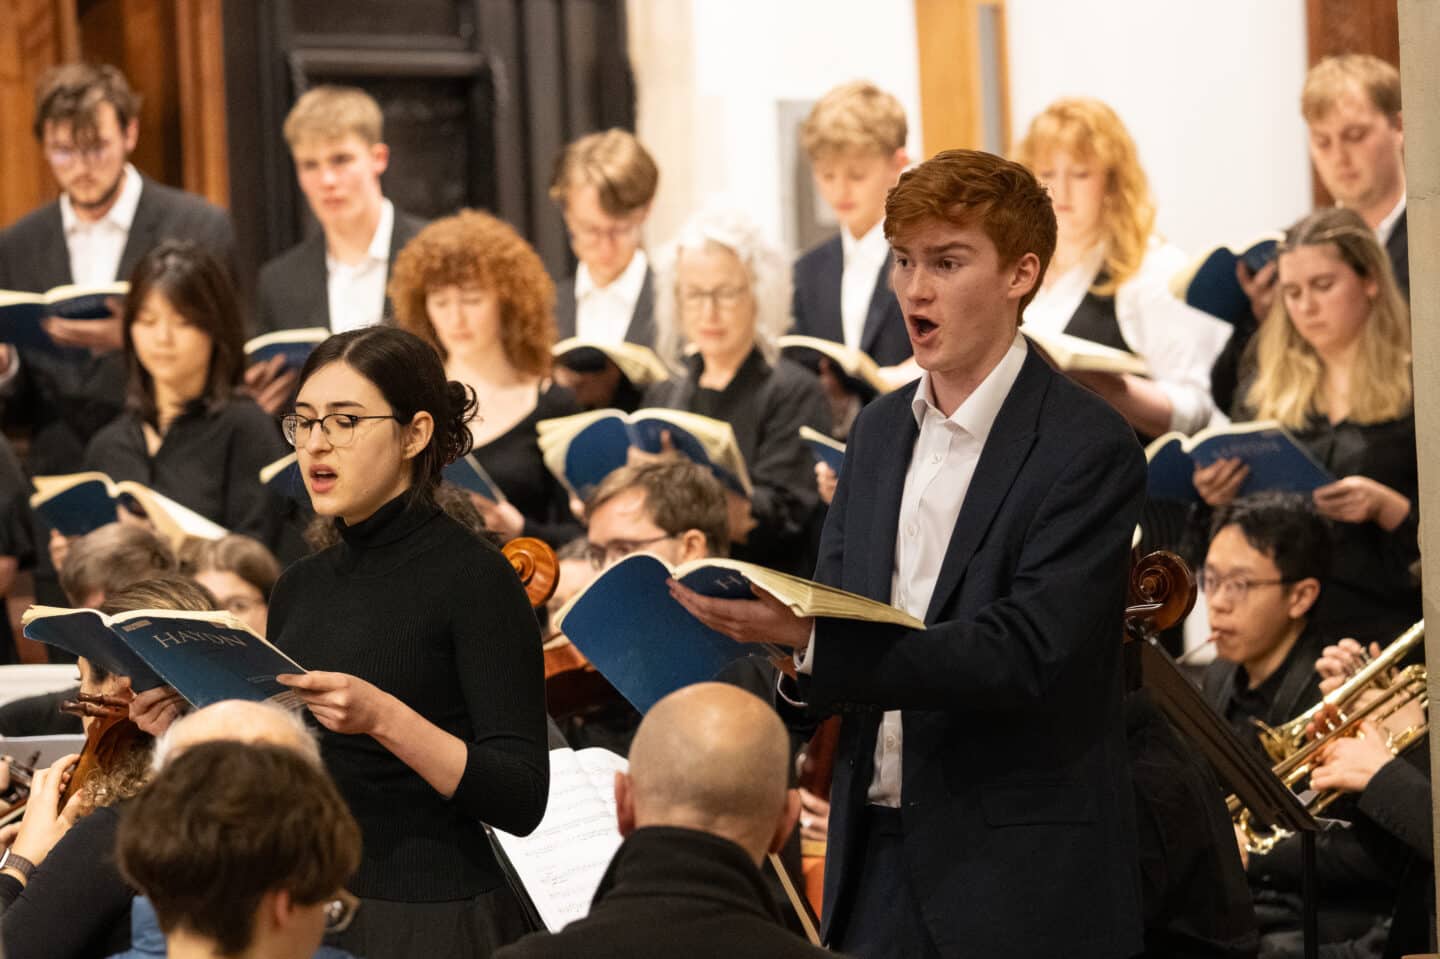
(18, 863)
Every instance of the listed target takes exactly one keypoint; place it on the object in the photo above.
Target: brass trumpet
(1372, 694)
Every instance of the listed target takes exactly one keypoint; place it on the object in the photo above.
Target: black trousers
(878, 915)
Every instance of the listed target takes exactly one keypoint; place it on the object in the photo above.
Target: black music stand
(1269, 800)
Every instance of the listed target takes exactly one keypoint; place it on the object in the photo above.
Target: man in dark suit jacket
(704, 801)
(336, 278)
(981, 803)
(818, 275)
(604, 184)
(110, 216)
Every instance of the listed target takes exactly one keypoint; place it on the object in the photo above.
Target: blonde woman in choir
(1109, 280)
(472, 287)
(1333, 368)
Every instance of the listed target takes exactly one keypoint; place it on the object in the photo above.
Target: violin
(536, 565)
(14, 798)
(1161, 594)
(108, 740)
(573, 687)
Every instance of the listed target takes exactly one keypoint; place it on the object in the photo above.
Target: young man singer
(981, 801)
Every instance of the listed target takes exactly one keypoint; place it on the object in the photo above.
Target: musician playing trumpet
(1268, 557)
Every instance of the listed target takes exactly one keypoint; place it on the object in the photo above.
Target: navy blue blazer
(817, 305)
(1019, 828)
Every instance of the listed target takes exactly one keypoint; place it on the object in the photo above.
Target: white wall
(711, 72)
(1210, 90)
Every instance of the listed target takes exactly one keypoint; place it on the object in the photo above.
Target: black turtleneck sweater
(415, 604)
(675, 892)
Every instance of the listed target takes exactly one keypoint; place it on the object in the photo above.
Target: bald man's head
(715, 758)
(238, 720)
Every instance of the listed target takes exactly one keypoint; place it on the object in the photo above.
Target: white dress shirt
(1178, 342)
(1387, 226)
(863, 259)
(357, 290)
(95, 248)
(603, 313)
(941, 468)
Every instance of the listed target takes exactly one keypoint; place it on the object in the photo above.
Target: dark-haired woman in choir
(424, 655)
(186, 432)
(476, 291)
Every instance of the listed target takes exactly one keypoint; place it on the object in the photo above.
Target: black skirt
(455, 929)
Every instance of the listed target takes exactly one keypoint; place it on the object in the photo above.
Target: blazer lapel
(55, 255)
(830, 276)
(642, 321)
(1006, 449)
(880, 302)
(897, 447)
(565, 309)
(142, 237)
(315, 306)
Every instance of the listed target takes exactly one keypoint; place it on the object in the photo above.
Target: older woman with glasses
(724, 301)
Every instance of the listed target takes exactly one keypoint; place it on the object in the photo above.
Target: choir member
(423, 652)
(855, 141)
(477, 292)
(187, 432)
(1351, 106)
(335, 278)
(238, 571)
(724, 300)
(1110, 279)
(982, 800)
(1333, 368)
(604, 184)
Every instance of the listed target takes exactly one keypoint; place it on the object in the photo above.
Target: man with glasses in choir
(1268, 556)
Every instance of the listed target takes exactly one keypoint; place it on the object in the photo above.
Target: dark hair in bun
(408, 373)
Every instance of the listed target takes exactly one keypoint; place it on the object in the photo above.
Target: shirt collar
(379, 249)
(872, 244)
(1387, 225)
(976, 415)
(626, 286)
(121, 213)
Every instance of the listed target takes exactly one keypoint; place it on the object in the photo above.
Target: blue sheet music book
(295, 345)
(824, 448)
(583, 449)
(206, 657)
(469, 475)
(1210, 284)
(79, 503)
(1276, 460)
(22, 314)
(283, 477)
(650, 655)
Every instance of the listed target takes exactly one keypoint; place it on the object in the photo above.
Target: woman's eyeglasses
(339, 428)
